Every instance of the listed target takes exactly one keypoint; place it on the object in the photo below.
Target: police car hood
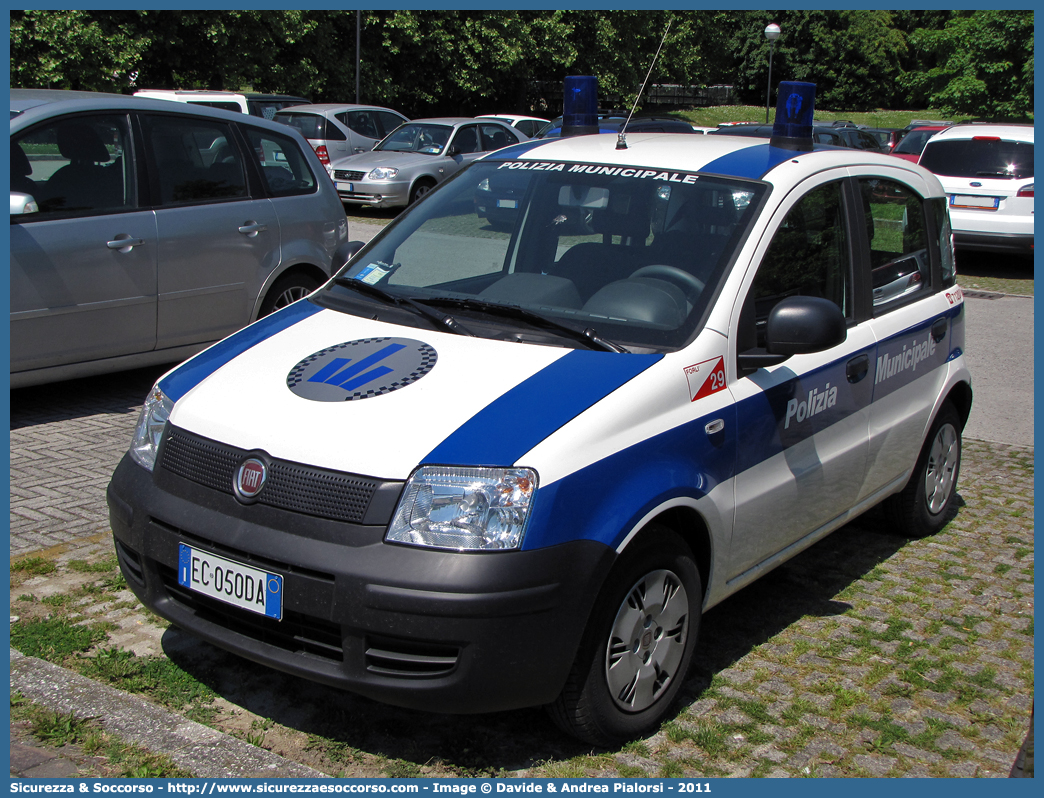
(337, 391)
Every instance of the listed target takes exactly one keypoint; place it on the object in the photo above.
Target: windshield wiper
(443, 320)
(587, 336)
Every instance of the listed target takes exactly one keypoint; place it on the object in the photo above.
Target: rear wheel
(924, 505)
(638, 644)
(287, 289)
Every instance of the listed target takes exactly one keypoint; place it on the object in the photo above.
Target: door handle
(253, 228)
(124, 243)
(939, 329)
(857, 368)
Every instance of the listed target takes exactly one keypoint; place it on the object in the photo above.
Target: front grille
(290, 486)
(344, 174)
(408, 659)
(296, 633)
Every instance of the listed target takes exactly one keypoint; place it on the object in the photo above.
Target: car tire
(420, 188)
(614, 690)
(287, 290)
(924, 506)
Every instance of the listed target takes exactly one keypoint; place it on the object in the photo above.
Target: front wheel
(637, 647)
(419, 190)
(924, 505)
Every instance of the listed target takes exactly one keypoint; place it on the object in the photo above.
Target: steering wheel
(691, 285)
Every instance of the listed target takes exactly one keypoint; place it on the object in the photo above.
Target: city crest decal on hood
(361, 369)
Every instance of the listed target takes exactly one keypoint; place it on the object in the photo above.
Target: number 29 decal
(705, 378)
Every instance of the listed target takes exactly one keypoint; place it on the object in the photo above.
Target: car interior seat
(83, 183)
(20, 171)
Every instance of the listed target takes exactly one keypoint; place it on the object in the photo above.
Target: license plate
(507, 203)
(345, 187)
(231, 582)
(967, 201)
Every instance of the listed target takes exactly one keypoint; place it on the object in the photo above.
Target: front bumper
(432, 630)
(382, 194)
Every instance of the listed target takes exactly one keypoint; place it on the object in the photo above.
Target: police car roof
(733, 156)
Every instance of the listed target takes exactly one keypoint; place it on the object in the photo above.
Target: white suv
(987, 172)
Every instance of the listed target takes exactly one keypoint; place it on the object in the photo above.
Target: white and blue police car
(496, 466)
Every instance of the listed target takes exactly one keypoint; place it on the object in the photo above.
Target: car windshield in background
(985, 156)
(630, 254)
(427, 139)
(914, 141)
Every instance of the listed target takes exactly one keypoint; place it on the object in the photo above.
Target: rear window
(311, 126)
(984, 156)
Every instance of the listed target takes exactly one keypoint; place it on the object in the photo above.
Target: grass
(715, 115)
(76, 736)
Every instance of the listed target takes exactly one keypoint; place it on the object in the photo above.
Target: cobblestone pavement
(867, 655)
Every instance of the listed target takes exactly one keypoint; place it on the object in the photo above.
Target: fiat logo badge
(249, 480)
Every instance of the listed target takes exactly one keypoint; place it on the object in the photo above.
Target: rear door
(83, 269)
(218, 234)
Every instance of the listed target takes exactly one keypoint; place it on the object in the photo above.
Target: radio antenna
(621, 142)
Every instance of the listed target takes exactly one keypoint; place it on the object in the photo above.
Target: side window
(195, 160)
(809, 256)
(76, 165)
(494, 137)
(937, 207)
(388, 122)
(466, 140)
(283, 165)
(361, 122)
(895, 225)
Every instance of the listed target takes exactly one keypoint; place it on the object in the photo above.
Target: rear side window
(283, 165)
(224, 105)
(195, 160)
(937, 207)
(362, 122)
(388, 121)
(311, 126)
(494, 137)
(983, 156)
(899, 257)
(76, 165)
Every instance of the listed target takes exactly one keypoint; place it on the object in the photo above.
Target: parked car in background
(910, 146)
(416, 157)
(529, 125)
(836, 135)
(338, 130)
(638, 124)
(987, 172)
(255, 104)
(887, 137)
(144, 230)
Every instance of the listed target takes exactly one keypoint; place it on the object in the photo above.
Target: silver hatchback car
(144, 230)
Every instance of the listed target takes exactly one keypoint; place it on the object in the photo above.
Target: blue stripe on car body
(750, 162)
(514, 423)
(191, 373)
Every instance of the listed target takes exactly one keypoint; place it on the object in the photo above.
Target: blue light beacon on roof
(795, 107)
(579, 105)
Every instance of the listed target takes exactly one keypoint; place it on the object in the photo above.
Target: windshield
(630, 254)
(984, 156)
(428, 139)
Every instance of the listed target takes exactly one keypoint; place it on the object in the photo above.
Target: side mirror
(345, 252)
(798, 325)
(23, 203)
(453, 151)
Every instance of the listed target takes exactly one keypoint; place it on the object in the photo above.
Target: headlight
(477, 509)
(382, 173)
(147, 434)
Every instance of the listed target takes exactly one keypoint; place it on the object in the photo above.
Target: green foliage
(978, 63)
(33, 566)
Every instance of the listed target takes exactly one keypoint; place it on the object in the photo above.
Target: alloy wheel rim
(647, 641)
(291, 295)
(941, 470)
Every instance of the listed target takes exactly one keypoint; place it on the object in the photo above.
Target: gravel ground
(867, 655)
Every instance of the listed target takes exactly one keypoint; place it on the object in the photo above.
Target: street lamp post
(771, 33)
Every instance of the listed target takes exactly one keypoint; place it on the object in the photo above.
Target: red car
(910, 146)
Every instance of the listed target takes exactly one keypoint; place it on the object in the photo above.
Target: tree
(72, 50)
(979, 63)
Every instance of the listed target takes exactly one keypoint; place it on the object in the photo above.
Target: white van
(263, 105)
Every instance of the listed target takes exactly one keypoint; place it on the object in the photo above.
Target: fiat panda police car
(486, 468)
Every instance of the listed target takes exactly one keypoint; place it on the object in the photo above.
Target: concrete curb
(206, 752)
